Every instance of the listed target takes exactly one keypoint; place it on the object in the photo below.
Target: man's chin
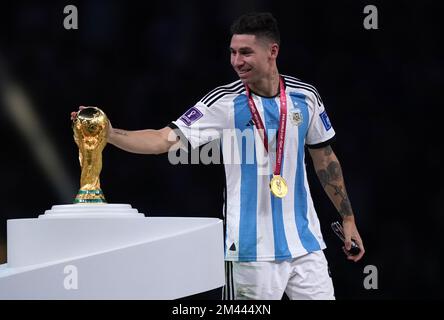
(245, 74)
(246, 80)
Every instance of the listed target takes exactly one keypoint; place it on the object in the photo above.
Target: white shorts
(303, 278)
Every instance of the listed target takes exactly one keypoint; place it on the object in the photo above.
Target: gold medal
(278, 186)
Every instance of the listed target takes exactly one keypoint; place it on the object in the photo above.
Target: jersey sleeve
(320, 130)
(201, 124)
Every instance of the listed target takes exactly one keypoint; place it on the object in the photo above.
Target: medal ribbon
(282, 124)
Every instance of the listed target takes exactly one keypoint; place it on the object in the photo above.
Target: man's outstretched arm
(329, 172)
(146, 141)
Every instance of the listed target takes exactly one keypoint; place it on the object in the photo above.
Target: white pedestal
(110, 251)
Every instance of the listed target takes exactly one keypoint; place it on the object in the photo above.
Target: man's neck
(268, 86)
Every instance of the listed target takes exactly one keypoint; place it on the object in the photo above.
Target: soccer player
(265, 119)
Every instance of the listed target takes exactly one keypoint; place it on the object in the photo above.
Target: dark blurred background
(146, 62)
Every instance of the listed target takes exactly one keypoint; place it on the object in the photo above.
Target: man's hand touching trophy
(90, 126)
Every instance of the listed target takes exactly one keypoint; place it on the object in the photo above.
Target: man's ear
(274, 50)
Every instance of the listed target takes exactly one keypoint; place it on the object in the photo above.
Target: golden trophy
(90, 133)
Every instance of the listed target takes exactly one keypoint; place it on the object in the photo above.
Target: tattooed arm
(146, 141)
(329, 172)
(141, 141)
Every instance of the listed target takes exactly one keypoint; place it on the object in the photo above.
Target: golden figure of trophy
(90, 129)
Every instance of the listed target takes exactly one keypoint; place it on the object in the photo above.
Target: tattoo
(328, 151)
(332, 173)
(346, 209)
(330, 177)
(334, 170)
(323, 177)
(121, 132)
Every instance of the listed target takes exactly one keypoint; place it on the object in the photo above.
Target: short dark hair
(260, 24)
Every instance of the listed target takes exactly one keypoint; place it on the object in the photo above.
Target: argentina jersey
(260, 226)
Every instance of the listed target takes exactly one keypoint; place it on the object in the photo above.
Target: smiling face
(253, 58)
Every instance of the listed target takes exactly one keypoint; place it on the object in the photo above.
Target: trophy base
(92, 210)
(120, 258)
(90, 196)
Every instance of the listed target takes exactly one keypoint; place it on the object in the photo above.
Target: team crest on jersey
(192, 115)
(296, 116)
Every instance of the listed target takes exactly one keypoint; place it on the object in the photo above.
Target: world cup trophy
(90, 129)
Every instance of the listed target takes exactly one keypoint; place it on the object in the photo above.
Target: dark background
(145, 63)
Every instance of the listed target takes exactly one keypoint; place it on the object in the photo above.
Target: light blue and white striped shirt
(260, 226)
